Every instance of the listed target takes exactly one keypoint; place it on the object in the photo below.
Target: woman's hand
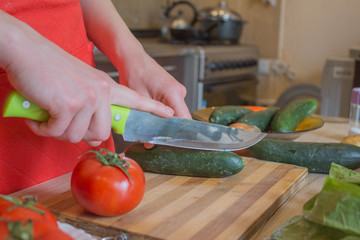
(136, 68)
(76, 95)
(149, 79)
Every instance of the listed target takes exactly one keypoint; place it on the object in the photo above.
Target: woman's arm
(136, 68)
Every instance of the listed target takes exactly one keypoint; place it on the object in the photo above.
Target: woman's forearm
(109, 32)
(12, 39)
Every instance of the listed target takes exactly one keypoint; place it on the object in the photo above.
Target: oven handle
(221, 86)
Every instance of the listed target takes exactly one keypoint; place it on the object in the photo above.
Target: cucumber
(185, 162)
(317, 157)
(226, 115)
(292, 114)
(261, 119)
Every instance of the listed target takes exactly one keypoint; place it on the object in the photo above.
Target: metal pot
(220, 23)
(210, 24)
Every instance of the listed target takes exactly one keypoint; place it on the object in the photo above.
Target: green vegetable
(343, 174)
(317, 157)
(226, 115)
(292, 114)
(186, 162)
(261, 119)
(298, 228)
(336, 206)
(331, 214)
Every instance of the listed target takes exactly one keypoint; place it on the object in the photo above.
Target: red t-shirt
(25, 158)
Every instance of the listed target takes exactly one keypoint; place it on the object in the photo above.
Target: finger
(181, 109)
(176, 101)
(100, 125)
(126, 97)
(79, 125)
(148, 145)
(175, 98)
(94, 143)
(54, 127)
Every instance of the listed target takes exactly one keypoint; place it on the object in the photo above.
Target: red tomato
(15, 208)
(107, 185)
(29, 229)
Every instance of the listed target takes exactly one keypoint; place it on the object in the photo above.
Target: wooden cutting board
(176, 207)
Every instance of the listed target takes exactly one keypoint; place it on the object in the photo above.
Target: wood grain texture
(177, 207)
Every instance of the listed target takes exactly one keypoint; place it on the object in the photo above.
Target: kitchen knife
(138, 126)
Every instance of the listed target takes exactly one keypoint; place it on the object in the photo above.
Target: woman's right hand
(76, 95)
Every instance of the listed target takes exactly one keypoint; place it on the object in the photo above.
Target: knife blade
(139, 126)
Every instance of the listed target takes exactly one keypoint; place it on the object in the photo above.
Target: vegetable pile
(24, 219)
(274, 119)
(333, 213)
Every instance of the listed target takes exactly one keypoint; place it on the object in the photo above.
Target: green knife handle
(17, 105)
(119, 117)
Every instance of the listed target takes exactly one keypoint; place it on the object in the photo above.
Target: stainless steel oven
(228, 75)
(214, 75)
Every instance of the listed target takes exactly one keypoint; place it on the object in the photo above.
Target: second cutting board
(176, 207)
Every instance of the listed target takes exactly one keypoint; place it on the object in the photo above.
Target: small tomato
(15, 208)
(106, 184)
(30, 229)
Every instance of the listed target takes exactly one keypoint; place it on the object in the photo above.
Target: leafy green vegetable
(343, 174)
(337, 206)
(333, 213)
(298, 228)
(350, 238)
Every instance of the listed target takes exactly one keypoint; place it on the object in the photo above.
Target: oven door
(230, 92)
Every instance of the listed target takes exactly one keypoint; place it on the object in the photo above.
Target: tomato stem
(112, 159)
(26, 202)
(21, 230)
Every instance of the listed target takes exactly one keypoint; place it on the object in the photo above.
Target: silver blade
(185, 133)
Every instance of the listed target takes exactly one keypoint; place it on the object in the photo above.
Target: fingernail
(170, 110)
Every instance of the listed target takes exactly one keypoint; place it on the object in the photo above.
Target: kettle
(180, 22)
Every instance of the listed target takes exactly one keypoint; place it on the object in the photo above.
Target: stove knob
(220, 65)
(216, 66)
(232, 64)
(249, 63)
(212, 66)
(240, 64)
(253, 62)
(227, 65)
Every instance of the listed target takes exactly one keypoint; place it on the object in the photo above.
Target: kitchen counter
(333, 130)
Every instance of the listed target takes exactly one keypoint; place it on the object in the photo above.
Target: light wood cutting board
(176, 207)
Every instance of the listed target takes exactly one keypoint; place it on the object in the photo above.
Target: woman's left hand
(137, 69)
(153, 81)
